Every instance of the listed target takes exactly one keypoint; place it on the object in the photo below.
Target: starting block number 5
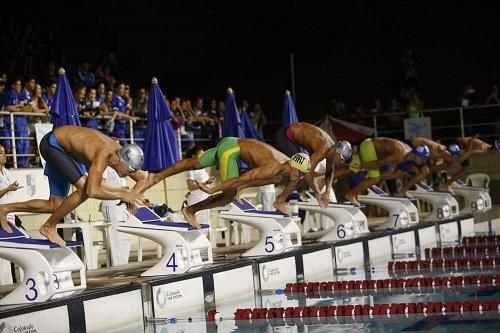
(269, 245)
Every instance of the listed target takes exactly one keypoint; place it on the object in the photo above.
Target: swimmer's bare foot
(190, 218)
(352, 198)
(282, 207)
(3, 221)
(52, 235)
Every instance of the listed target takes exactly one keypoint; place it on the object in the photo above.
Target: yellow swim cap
(301, 162)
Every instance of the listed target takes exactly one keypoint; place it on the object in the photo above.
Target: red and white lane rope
(329, 288)
(355, 310)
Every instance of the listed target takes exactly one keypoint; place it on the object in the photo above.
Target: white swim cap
(301, 162)
(132, 155)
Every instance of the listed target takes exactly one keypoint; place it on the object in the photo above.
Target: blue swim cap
(454, 149)
(421, 151)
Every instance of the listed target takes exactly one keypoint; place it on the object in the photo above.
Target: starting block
(182, 243)
(350, 222)
(402, 212)
(444, 205)
(477, 199)
(275, 228)
(46, 268)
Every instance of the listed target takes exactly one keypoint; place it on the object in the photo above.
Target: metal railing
(12, 137)
(446, 123)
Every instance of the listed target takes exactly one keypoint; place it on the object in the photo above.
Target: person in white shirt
(6, 196)
(115, 213)
(193, 179)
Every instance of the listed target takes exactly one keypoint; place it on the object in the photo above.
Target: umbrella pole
(165, 191)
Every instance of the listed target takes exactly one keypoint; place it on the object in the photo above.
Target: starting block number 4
(171, 262)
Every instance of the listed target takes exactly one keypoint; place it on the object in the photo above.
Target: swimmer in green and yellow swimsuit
(267, 166)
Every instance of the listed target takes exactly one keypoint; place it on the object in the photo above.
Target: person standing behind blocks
(114, 213)
(193, 179)
(6, 189)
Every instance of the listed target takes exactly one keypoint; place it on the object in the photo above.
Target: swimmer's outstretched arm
(178, 167)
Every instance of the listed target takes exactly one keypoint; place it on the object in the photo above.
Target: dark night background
(350, 52)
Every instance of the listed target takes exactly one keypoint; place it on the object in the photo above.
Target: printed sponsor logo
(164, 295)
(23, 328)
(342, 254)
(267, 272)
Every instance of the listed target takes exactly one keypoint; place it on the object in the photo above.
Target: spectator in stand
(50, 92)
(37, 104)
(244, 106)
(212, 112)
(27, 92)
(84, 77)
(221, 109)
(90, 109)
(119, 107)
(468, 97)
(12, 103)
(415, 106)
(493, 96)
(140, 111)
(177, 114)
(259, 118)
(395, 121)
(100, 93)
(109, 124)
(208, 123)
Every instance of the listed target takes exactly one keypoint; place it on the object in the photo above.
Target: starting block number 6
(340, 231)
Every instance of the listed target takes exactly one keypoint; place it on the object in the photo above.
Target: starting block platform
(182, 243)
(477, 199)
(46, 267)
(107, 307)
(276, 229)
(402, 212)
(350, 222)
(444, 205)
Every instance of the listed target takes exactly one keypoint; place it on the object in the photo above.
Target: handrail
(131, 139)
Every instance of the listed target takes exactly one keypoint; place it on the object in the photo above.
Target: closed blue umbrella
(249, 128)
(161, 150)
(232, 125)
(289, 113)
(64, 111)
